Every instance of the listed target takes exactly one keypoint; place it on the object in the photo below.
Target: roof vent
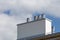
(42, 16)
(34, 18)
(53, 29)
(27, 19)
(38, 17)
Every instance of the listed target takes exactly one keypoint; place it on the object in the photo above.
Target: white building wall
(34, 28)
(31, 29)
(48, 28)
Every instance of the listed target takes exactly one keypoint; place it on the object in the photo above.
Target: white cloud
(30, 6)
(8, 28)
(51, 6)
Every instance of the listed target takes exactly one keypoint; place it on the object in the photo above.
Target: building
(40, 26)
(54, 36)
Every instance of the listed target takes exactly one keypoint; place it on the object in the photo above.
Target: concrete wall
(31, 29)
(34, 28)
(48, 28)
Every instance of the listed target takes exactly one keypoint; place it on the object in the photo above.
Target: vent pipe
(34, 18)
(42, 16)
(53, 29)
(38, 17)
(27, 19)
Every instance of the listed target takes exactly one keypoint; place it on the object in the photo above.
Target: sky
(13, 12)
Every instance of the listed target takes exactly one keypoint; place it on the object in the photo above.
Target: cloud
(8, 26)
(30, 6)
(54, 8)
(21, 7)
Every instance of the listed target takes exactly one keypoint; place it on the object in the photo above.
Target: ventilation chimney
(53, 29)
(27, 19)
(42, 16)
(38, 17)
(34, 18)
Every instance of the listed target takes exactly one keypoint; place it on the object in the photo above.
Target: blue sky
(55, 22)
(13, 12)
